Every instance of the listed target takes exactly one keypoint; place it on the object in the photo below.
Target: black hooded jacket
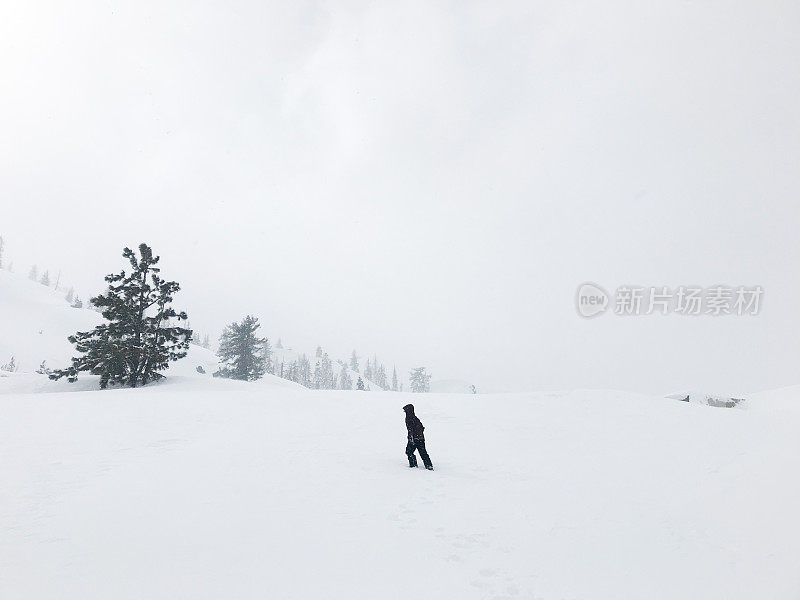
(414, 425)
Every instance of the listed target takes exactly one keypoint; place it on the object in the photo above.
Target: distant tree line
(245, 355)
(142, 334)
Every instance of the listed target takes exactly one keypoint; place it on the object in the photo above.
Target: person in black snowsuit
(416, 439)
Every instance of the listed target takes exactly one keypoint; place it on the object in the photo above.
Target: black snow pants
(418, 445)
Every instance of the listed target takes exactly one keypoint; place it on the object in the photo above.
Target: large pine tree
(241, 351)
(138, 340)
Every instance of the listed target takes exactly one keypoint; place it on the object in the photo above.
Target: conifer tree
(137, 342)
(293, 372)
(360, 384)
(279, 345)
(326, 373)
(316, 382)
(368, 371)
(394, 379)
(70, 295)
(345, 382)
(354, 362)
(241, 351)
(33, 275)
(380, 377)
(303, 371)
(268, 363)
(419, 380)
(45, 280)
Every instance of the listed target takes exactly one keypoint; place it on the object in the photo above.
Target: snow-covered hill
(203, 488)
(35, 322)
(197, 487)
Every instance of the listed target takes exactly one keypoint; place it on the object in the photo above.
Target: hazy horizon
(428, 183)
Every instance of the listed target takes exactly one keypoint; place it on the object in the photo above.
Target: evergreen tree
(78, 303)
(241, 351)
(10, 366)
(70, 295)
(33, 275)
(368, 371)
(326, 372)
(137, 341)
(267, 351)
(319, 351)
(45, 280)
(354, 362)
(394, 379)
(360, 384)
(317, 378)
(345, 382)
(419, 380)
(303, 371)
(279, 345)
(380, 378)
(206, 343)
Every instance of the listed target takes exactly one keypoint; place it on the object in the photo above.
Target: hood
(409, 408)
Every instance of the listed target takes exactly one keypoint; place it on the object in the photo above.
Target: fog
(426, 182)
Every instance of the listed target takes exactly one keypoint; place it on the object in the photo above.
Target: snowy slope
(35, 322)
(200, 488)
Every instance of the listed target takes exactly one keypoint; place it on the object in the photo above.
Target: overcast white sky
(426, 181)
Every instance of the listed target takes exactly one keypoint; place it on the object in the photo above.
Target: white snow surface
(35, 322)
(203, 488)
(450, 386)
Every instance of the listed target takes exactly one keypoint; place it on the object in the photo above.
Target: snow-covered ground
(198, 487)
(202, 488)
